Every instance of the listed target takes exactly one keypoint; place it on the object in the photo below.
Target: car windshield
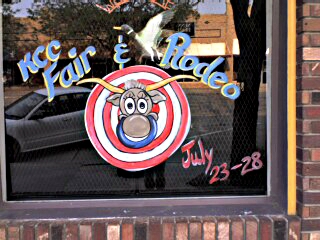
(23, 106)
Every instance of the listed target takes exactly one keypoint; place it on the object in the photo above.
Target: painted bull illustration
(137, 125)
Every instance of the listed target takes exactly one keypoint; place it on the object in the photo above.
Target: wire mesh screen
(48, 151)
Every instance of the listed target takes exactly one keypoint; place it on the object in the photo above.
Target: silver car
(33, 123)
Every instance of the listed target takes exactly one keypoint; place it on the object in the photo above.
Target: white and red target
(101, 119)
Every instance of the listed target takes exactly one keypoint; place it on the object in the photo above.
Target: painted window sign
(138, 128)
(141, 124)
(141, 100)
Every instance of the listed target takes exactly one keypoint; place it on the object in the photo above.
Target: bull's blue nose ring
(139, 144)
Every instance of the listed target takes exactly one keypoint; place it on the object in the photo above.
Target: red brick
(315, 154)
(309, 141)
(127, 231)
(303, 40)
(155, 229)
(113, 231)
(195, 230)
(308, 83)
(299, 181)
(305, 10)
(303, 154)
(303, 97)
(315, 97)
(209, 230)
(13, 233)
(315, 10)
(305, 236)
(310, 225)
(71, 231)
(265, 228)
(28, 232)
(56, 231)
(85, 232)
(308, 197)
(43, 232)
(294, 228)
(182, 231)
(314, 211)
(315, 126)
(315, 236)
(237, 229)
(168, 230)
(303, 69)
(299, 168)
(279, 227)
(2, 232)
(304, 211)
(315, 39)
(315, 69)
(99, 231)
(141, 229)
(311, 169)
(315, 184)
(311, 54)
(303, 183)
(223, 229)
(308, 112)
(251, 228)
(311, 25)
(303, 126)
(299, 27)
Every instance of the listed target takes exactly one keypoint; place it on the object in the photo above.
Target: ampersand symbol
(120, 49)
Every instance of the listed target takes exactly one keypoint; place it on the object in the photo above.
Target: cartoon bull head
(136, 108)
(137, 125)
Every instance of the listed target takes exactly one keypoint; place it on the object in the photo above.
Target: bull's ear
(157, 96)
(114, 99)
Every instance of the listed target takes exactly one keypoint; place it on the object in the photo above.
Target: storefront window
(84, 117)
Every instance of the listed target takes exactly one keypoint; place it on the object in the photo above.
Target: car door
(50, 125)
(58, 122)
(74, 117)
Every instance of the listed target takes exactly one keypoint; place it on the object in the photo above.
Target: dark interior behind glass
(74, 170)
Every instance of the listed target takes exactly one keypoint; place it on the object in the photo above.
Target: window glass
(23, 106)
(119, 134)
(47, 109)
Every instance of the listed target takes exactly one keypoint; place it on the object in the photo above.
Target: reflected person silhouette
(154, 177)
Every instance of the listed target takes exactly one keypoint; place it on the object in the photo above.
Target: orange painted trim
(292, 107)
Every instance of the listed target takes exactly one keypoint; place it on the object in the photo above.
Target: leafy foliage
(14, 31)
(83, 24)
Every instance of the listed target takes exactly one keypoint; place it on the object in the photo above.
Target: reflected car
(33, 123)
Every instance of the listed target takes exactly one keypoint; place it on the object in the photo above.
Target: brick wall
(224, 228)
(308, 117)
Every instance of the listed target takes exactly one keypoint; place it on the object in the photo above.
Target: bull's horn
(105, 84)
(168, 80)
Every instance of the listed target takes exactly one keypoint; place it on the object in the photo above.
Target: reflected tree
(81, 24)
(250, 25)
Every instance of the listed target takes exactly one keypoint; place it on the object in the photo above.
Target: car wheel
(13, 152)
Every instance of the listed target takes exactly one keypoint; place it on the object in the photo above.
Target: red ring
(156, 142)
(185, 116)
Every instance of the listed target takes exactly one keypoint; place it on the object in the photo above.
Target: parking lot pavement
(78, 169)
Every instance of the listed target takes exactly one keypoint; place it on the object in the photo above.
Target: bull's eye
(142, 105)
(129, 105)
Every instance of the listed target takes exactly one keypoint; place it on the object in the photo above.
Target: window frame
(273, 203)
